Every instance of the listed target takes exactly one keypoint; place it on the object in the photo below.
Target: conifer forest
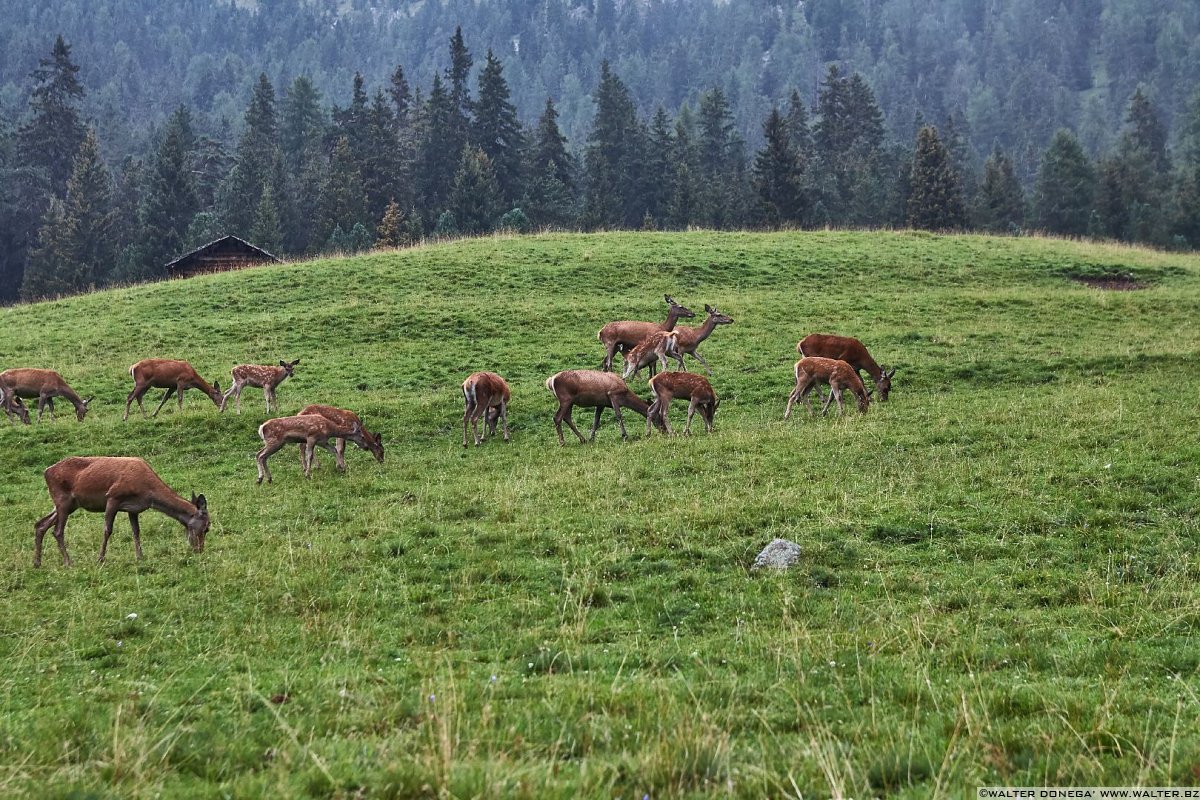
(132, 132)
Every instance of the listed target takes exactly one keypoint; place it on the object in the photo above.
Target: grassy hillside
(998, 586)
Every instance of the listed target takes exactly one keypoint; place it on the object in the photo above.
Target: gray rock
(779, 554)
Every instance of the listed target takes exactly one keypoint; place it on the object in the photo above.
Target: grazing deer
(852, 351)
(591, 389)
(626, 334)
(45, 385)
(112, 485)
(839, 375)
(487, 395)
(311, 431)
(689, 386)
(12, 405)
(371, 442)
(653, 349)
(691, 337)
(175, 377)
(259, 376)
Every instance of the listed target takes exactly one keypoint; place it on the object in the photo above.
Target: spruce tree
(778, 174)
(302, 133)
(436, 164)
(475, 199)
(254, 161)
(612, 159)
(682, 207)
(401, 95)
(798, 127)
(659, 169)
(170, 198)
(381, 165)
(550, 148)
(935, 199)
(497, 131)
(51, 138)
(1062, 198)
(1001, 199)
(461, 107)
(267, 231)
(343, 201)
(389, 232)
(721, 160)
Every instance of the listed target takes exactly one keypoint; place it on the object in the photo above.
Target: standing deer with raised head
(839, 375)
(486, 394)
(113, 485)
(371, 442)
(45, 385)
(259, 376)
(626, 334)
(689, 386)
(174, 376)
(852, 351)
(652, 350)
(591, 389)
(691, 337)
(12, 405)
(310, 431)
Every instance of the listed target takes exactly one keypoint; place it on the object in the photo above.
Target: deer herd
(115, 484)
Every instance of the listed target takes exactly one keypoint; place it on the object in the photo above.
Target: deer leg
(664, 413)
(166, 396)
(466, 417)
(137, 534)
(610, 349)
(39, 533)
(134, 395)
(237, 397)
(267, 452)
(564, 415)
(269, 396)
(700, 358)
(179, 396)
(650, 412)
(792, 398)
(504, 417)
(691, 413)
(832, 394)
(339, 453)
(596, 423)
(620, 421)
(60, 532)
(493, 416)
(110, 516)
(339, 457)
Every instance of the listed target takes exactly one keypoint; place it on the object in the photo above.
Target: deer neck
(703, 332)
(672, 318)
(173, 506)
(68, 394)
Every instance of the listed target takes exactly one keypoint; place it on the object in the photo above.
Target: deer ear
(709, 309)
(379, 439)
(90, 399)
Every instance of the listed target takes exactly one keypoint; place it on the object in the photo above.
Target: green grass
(998, 586)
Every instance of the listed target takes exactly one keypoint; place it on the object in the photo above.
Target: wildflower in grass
(131, 616)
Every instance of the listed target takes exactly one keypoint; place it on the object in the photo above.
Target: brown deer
(852, 351)
(259, 376)
(371, 442)
(112, 485)
(12, 405)
(45, 385)
(690, 337)
(839, 375)
(689, 386)
(626, 334)
(175, 377)
(486, 394)
(653, 349)
(311, 431)
(591, 389)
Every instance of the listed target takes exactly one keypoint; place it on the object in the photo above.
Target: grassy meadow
(999, 581)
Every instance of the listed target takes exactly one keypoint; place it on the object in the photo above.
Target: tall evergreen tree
(343, 201)
(1062, 199)
(401, 95)
(1001, 199)
(381, 165)
(170, 199)
(267, 231)
(721, 160)
(612, 158)
(778, 174)
(436, 164)
(461, 107)
(254, 161)
(476, 198)
(497, 130)
(303, 127)
(682, 209)
(550, 148)
(798, 127)
(935, 197)
(659, 169)
(51, 138)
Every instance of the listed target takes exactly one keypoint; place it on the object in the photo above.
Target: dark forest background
(133, 130)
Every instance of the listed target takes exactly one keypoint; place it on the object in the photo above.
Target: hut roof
(226, 251)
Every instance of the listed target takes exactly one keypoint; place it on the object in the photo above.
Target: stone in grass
(779, 554)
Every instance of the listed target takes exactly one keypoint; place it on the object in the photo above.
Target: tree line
(399, 163)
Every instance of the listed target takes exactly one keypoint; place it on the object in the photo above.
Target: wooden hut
(228, 252)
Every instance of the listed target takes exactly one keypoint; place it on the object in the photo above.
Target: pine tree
(51, 138)
(461, 107)
(1185, 199)
(778, 174)
(381, 166)
(855, 182)
(1001, 200)
(170, 199)
(660, 172)
(550, 148)
(1062, 199)
(1132, 183)
(302, 133)
(682, 207)
(388, 233)
(401, 95)
(475, 199)
(721, 161)
(798, 127)
(935, 200)
(267, 231)
(436, 164)
(611, 161)
(254, 161)
(497, 130)
(343, 201)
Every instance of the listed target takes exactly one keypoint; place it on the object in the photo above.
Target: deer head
(82, 409)
(197, 524)
(884, 384)
(680, 311)
(716, 316)
(289, 366)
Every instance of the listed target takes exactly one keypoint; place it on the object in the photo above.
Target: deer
(653, 349)
(371, 442)
(840, 376)
(12, 405)
(487, 395)
(311, 431)
(690, 337)
(259, 376)
(592, 389)
(626, 334)
(666, 386)
(45, 385)
(112, 485)
(852, 351)
(175, 377)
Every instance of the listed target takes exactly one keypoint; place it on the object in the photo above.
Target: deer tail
(550, 383)
(469, 392)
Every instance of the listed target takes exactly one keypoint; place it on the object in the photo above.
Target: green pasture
(999, 581)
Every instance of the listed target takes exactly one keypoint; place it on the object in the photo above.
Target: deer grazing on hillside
(839, 375)
(175, 377)
(113, 485)
(626, 334)
(12, 405)
(689, 386)
(45, 385)
(690, 337)
(852, 351)
(259, 376)
(653, 349)
(371, 442)
(311, 431)
(487, 395)
(591, 389)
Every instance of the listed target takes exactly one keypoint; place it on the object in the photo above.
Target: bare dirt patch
(1112, 283)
